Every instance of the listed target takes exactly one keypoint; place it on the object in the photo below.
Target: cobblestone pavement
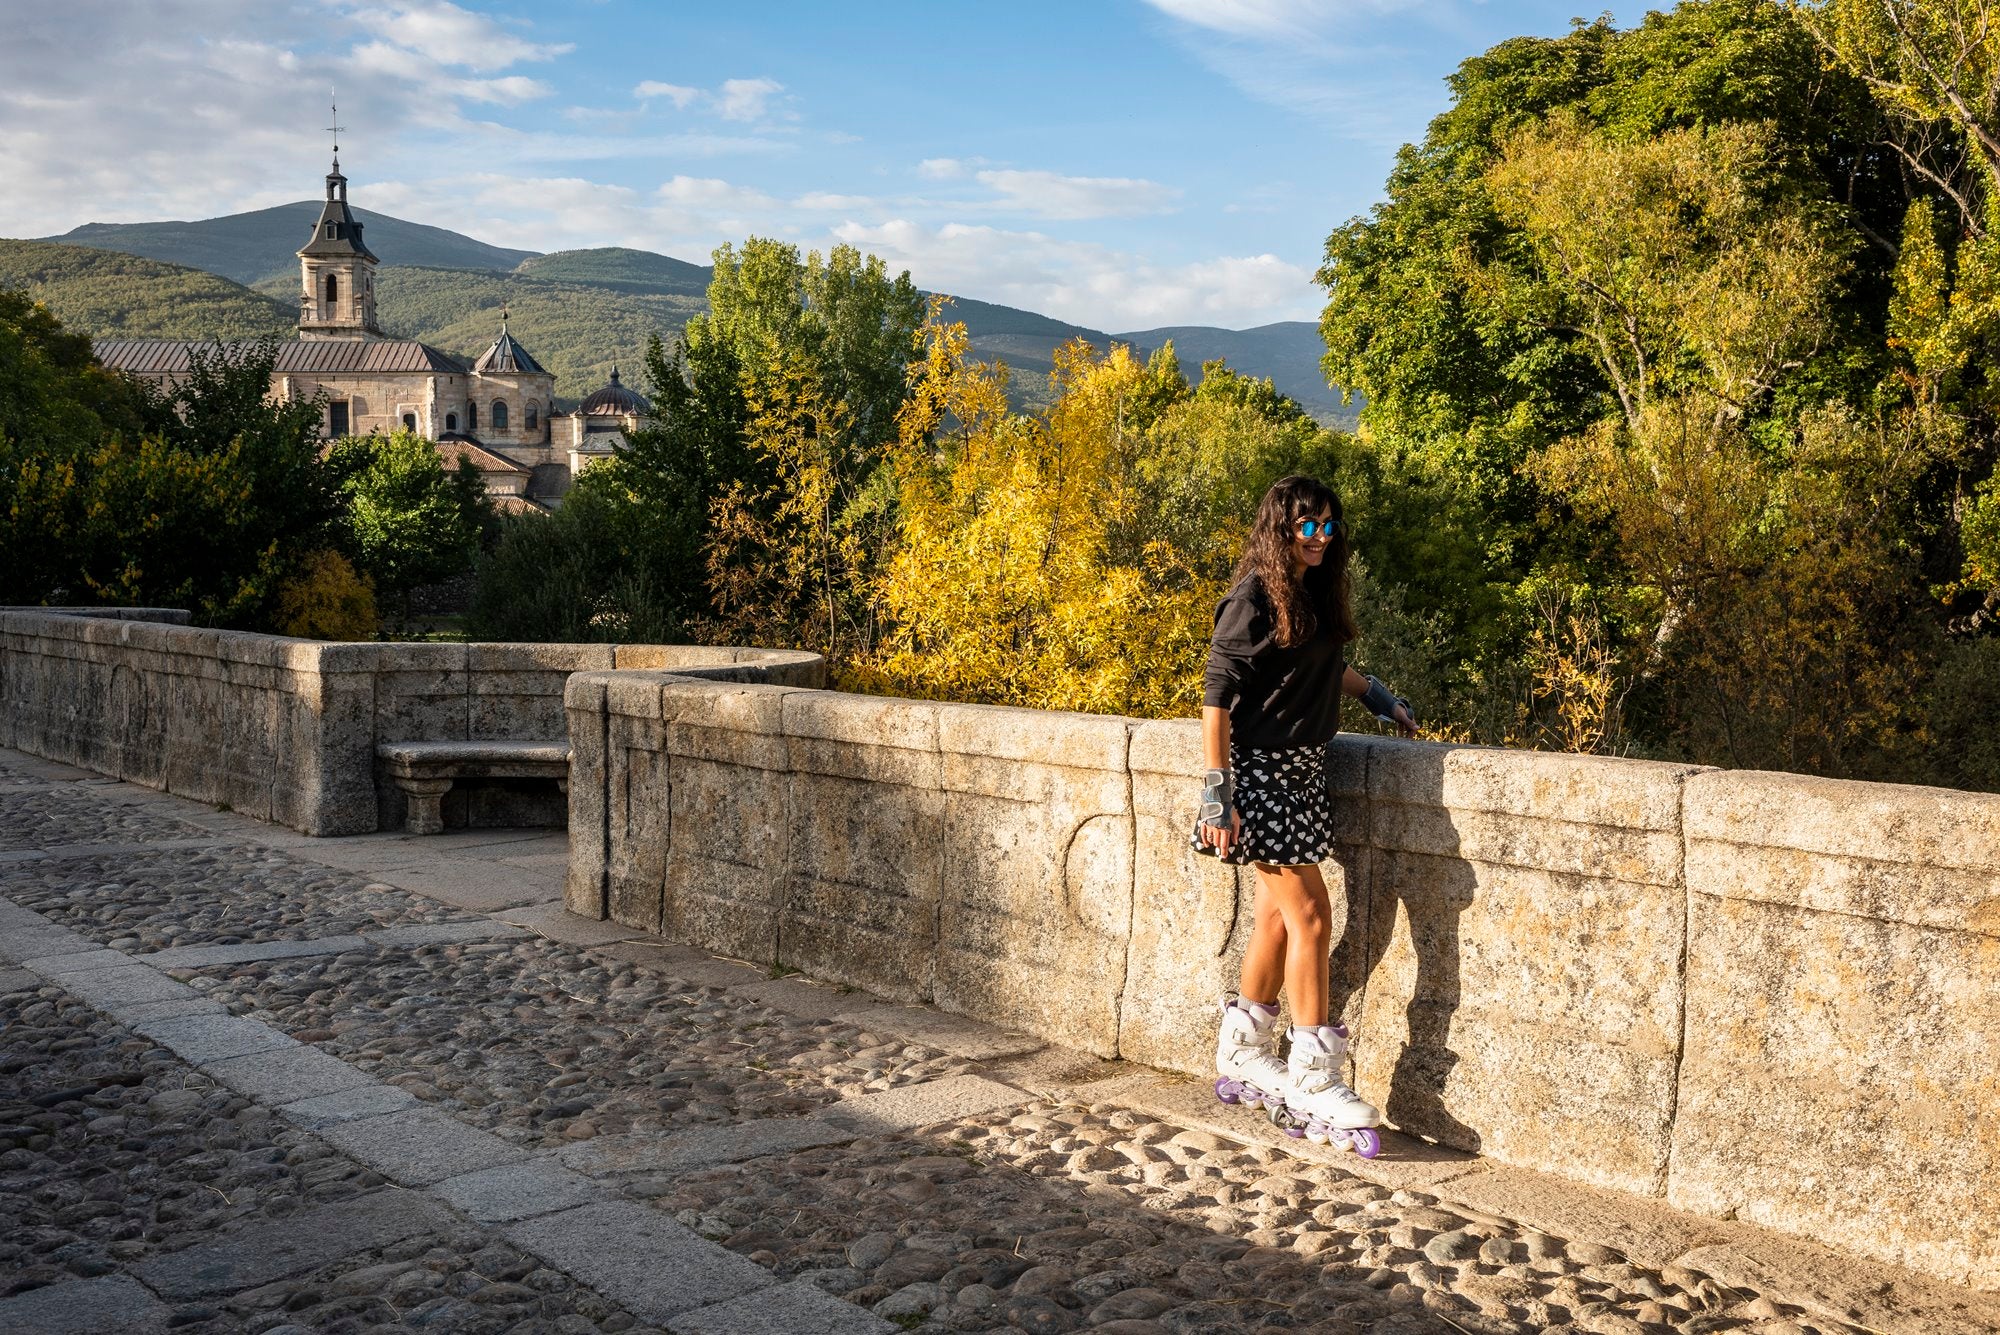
(254, 1082)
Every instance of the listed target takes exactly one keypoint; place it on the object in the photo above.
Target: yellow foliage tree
(1009, 585)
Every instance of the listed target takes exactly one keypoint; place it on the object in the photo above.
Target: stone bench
(425, 771)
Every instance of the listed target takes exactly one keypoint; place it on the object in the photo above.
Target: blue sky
(1121, 163)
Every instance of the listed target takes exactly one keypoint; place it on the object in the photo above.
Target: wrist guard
(1381, 702)
(1218, 797)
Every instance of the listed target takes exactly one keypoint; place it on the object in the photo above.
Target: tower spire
(333, 105)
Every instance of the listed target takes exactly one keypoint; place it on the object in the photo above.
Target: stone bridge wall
(285, 730)
(1749, 994)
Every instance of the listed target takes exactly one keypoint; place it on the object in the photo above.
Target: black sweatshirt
(1276, 696)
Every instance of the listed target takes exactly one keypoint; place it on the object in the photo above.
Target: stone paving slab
(41, 942)
(913, 1106)
(86, 1307)
(59, 852)
(639, 1258)
(955, 1034)
(169, 1010)
(701, 1147)
(61, 962)
(209, 1038)
(17, 980)
(420, 1147)
(257, 1253)
(516, 1191)
(797, 1308)
(442, 933)
(286, 1074)
(348, 1105)
(250, 952)
(116, 991)
(482, 887)
(557, 923)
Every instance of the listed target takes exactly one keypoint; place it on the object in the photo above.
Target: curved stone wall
(1755, 995)
(285, 730)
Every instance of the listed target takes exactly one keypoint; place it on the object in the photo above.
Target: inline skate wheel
(1227, 1090)
(1365, 1141)
(1285, 1122)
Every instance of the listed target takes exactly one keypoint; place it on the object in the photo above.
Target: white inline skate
(1316, 1103)
(1248, 1069)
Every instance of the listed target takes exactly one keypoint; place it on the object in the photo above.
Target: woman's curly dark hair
(1298, 606)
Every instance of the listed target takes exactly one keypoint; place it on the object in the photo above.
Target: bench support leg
(425, 800)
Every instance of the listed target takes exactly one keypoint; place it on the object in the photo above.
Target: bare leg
(1264, 957)
(1297, 898)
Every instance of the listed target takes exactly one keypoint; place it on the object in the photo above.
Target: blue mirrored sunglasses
(1320, 528)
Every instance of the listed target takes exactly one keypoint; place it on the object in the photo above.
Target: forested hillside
(250, 247)
(582, 311)
(103, 293)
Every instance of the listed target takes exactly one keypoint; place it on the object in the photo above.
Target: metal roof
(507, 357)
(158, 356)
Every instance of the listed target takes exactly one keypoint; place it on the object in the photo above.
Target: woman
(1270, 705)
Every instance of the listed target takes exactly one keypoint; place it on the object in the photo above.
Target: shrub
(326, 600)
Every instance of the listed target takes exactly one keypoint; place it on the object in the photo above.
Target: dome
(614, 400)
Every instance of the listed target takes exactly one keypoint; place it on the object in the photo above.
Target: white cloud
(943, 169)
(1050, 195)
(746, 99)
(448, 35)
(1089, 284)
(709, 193)
(1281, 20)
(678, 94)
(398, 63)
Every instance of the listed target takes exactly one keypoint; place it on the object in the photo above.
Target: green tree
(576, 576)
(760, 474)
(205, 495)
(408, 521)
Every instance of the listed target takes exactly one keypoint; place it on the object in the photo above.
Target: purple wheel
(1229, 1091)
(1365, 1141)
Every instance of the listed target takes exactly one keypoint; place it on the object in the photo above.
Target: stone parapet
(286, 730)
(1842, 1071)
(1755, 996)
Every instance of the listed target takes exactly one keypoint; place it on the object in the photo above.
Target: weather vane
(334, 129)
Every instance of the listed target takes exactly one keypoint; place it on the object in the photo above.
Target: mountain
(249, 247)
(579, 311)
(102, 293)
(622, 270)
(1287, 352)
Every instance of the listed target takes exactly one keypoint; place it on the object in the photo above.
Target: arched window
(499, 415)
(332, 289)
(451, 421)
(409, 421)
(472, 417)
(530, 415)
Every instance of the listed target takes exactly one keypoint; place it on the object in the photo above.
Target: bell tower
(338, 270)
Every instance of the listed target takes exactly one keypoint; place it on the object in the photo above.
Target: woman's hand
(1222, 840)
(1404, 723)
